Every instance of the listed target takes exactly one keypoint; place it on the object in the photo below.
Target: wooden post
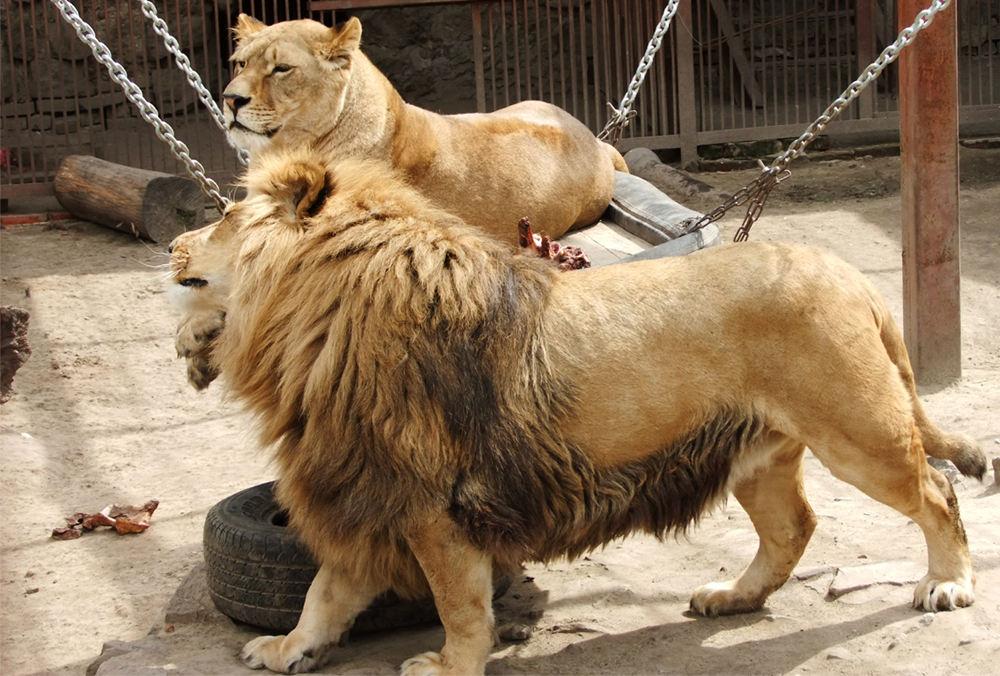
(477, 56)
(864, 26)
(928, 118)
(144, 203)
(687, 107)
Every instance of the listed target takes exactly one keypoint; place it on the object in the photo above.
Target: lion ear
(302, 185)
(343, 42)
(246, 27)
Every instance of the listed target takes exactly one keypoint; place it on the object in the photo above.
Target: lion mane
(442, 408)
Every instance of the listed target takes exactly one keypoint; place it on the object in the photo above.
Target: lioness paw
(720, 598)
(428, 664)
(933, 595)
(196, 332)
(266, 651)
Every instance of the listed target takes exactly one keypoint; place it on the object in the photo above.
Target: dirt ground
(102, 414)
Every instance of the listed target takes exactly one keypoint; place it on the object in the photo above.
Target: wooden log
(147, 204)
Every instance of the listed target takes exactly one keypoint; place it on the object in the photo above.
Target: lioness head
(286, 75)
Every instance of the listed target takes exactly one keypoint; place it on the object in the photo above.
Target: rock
(839, 654)
(14, 348)
(191, 602)
(947, 468)
(852, 578)
(108, 650)
(515, 631)
(811, 572)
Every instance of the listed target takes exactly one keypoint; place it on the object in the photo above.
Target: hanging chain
(756, 191)
(623, 114)
(194, 79)
(146, 109)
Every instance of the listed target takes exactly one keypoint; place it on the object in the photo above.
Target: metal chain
(757, 190)
(146, 109)
(623, 114)
(194, 79)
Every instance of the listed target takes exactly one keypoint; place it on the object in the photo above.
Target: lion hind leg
(896, 473)
(461, 579)
(774, 498)
(332, 603)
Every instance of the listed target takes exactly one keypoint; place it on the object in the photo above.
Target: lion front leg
(774, 499)
(332, 603)
(461, 579)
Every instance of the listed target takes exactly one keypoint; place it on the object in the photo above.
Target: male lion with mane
(442, 408)
(300, 84)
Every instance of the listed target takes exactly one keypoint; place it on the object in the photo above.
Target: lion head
(287, 76)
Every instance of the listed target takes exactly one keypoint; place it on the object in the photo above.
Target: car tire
(258, 572)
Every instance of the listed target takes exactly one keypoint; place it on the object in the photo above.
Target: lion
(441, 407)
(300, 84)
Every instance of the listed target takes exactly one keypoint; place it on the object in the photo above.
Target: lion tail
(960, 449)
(616, 157)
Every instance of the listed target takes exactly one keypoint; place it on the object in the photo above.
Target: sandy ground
(102, 414)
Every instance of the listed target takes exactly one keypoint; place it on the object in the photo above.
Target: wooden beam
(928, 71)
(738, 53)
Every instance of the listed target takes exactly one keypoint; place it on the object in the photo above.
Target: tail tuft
(965, 453)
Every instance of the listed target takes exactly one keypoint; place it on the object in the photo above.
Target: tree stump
(147, 204)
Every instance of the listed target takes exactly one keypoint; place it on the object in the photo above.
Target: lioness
(441, 407)
(300, 84)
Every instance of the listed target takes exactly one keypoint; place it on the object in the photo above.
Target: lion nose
(235, 101)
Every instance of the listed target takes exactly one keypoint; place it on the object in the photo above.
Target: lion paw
(933, 595)
(720, 598)
(428, 664)
(270, 652)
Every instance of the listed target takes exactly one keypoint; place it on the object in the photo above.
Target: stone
(192, 602)
(109, 650)
(852, 578)
(839, 654)
(515, 631)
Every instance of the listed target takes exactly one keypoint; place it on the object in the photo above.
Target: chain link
(757, 190)
(194, 79)
(146, 109)
(623, 114)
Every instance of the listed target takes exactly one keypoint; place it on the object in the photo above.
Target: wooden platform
(604, 242)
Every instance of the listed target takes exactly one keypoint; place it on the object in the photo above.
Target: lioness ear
(302, 185)
(246, 27)
(342, 43)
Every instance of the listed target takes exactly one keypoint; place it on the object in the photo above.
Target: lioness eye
(281, 68)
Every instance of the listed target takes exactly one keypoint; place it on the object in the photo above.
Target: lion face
(201, 270)
(288, 76)
(204, 263)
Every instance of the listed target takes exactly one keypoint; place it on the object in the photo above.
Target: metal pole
(929, 158)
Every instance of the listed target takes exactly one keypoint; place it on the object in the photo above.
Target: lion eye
(281, 68)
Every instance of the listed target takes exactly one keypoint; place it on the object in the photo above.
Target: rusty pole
(928, 119)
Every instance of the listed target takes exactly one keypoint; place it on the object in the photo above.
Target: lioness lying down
(442, 408)
(300, 84)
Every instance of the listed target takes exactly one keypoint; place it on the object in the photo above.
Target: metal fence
(729, 70)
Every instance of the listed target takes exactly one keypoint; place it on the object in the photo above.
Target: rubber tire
(258, 572)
